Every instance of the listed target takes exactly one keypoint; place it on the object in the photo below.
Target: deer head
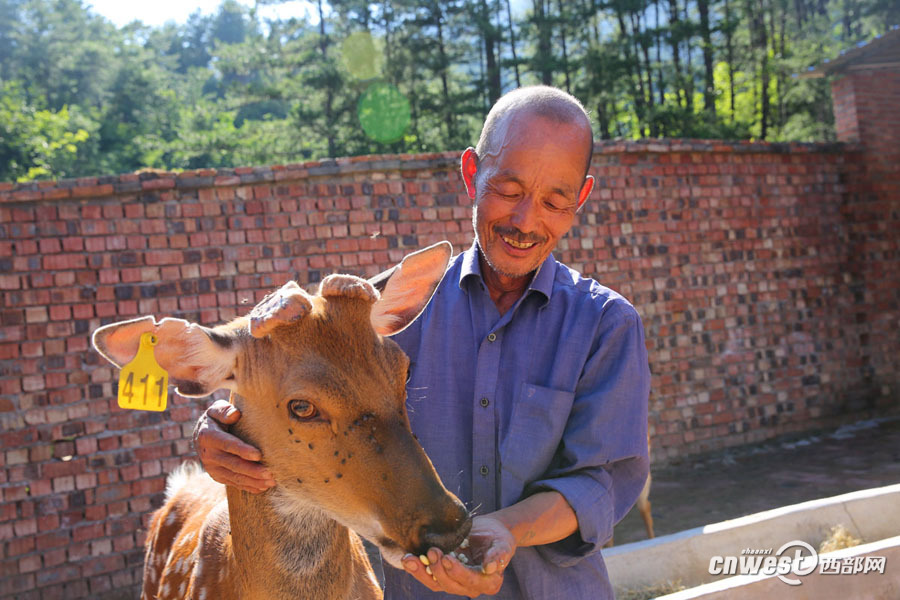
(322, 395)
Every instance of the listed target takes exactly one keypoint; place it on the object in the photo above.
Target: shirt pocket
(535, 431)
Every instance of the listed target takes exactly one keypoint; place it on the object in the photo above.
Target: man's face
(527, 189)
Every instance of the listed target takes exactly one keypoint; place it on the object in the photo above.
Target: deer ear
(407, 288)
(199, 360)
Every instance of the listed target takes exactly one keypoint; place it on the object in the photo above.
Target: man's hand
(543, 518)
(227, 459)
(491, 547)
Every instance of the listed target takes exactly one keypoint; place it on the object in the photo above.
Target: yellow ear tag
(143, 384)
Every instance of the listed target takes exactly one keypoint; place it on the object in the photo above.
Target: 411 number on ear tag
(143, 384)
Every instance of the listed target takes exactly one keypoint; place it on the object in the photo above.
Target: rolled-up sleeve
(602, 462)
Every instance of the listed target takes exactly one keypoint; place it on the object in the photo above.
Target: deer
(321, 389)
(643, 506)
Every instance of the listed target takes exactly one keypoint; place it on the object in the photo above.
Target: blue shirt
(551, 395)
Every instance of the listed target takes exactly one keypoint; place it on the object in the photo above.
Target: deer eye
(303, 410)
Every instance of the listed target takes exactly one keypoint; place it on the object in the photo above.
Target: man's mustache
(517, 236)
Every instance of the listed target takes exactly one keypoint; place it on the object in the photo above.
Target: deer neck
(285, 548)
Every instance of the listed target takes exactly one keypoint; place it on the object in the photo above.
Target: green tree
(35, 142)
(80, 96)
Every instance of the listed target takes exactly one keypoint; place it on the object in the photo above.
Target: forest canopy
(80, 96)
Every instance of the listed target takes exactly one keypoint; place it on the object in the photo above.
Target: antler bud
(348, 286)
(286, 304)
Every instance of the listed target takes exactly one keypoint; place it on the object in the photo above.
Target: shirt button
(485, 402)
(484, 470)
(492, 337)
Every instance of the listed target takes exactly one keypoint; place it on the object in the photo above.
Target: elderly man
(529, 383)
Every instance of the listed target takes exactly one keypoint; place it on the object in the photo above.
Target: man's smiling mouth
(515, 244)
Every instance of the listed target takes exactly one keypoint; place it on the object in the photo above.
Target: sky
(158, 12)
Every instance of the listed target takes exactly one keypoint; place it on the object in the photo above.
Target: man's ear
(469, 167)
(585, 192)
(199, 360)
(407, 288)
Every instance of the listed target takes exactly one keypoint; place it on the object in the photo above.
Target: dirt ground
(742, 481)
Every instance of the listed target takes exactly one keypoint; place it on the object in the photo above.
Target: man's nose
(524, 214)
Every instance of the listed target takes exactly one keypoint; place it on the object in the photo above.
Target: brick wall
(765, 274)
(866, 102)
(866, 108)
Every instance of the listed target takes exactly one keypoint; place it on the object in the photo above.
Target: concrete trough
(873, 585)
(871, 515)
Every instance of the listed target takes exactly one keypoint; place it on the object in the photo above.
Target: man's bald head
(540, 100)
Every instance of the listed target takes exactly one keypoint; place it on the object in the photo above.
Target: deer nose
(445, 532)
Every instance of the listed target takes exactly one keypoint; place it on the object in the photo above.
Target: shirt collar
(542, 282)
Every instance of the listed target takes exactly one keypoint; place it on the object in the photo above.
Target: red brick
(164, 257)
(53, 558)
(56, 194)
(53, 539)
(60, 312)
(87, 532)
(20, 546)
(49, 245)
(29, 564)
(25, 527)
(158, 184)
(24, 196)
(10, 282)
(94, 191)
(104, 564)
(64, 261)
(86, 445)
(61, 468)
